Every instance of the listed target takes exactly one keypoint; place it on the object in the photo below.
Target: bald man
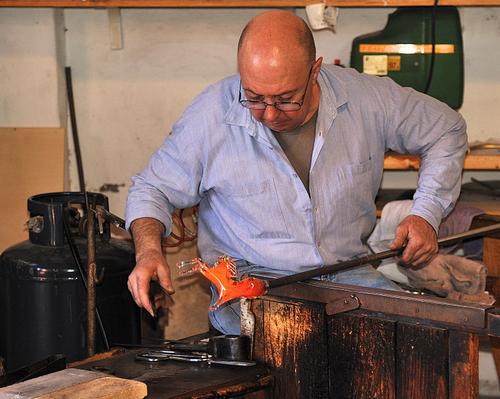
(285, 159)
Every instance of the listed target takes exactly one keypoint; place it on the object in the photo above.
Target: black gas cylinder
(42, 296)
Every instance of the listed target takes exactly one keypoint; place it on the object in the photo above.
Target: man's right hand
(150, 262)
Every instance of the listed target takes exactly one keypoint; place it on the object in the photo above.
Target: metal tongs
(167, 354)
(194, 357)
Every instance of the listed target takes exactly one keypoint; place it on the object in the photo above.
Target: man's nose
(271, 113)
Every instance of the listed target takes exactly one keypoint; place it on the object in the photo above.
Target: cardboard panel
(31, 162)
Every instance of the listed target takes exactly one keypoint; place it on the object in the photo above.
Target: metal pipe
(91, 281)
(74, 128)
(78, 262)
(320, 271)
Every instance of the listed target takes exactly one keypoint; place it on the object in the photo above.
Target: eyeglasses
(285, 106)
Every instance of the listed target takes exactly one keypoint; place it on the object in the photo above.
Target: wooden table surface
(174, 379)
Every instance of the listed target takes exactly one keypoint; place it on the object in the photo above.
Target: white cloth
(392, 214)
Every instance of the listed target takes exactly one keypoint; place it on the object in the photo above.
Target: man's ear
(316, 68)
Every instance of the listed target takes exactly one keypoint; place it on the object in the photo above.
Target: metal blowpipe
(223, 273)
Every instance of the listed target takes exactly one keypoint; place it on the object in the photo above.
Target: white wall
(482, 71)
(31, 68)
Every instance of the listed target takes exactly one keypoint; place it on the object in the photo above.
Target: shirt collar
(241, 116)
(237, 114)
(333, 93)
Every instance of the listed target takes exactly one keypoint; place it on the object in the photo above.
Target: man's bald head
(277, 64)
(277, 34)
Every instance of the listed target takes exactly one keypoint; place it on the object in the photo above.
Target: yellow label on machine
(407, 48)
(375, 64)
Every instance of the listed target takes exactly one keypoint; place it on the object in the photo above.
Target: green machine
(403, 50)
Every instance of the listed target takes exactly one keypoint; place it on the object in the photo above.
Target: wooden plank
(76, 384)
(495, 350)
(491, 255)
(257, 308)
(464, 365)
(394, 161)
(102, 388)
(421, 362)
(361, 354)
(156, 3)
(237, 3)
(31, 162)
(48, 383)
(294, 342)
(404, 3)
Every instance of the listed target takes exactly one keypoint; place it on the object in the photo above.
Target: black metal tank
(42, 296)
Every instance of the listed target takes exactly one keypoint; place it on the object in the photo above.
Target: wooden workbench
(397, 345)
(173, 379)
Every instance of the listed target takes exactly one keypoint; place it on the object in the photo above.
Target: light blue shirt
(252, 204)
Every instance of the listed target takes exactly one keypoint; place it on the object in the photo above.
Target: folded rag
(448, 273)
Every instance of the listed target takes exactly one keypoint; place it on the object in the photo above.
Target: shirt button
(295, 175)
(318, 243)
(316, 209)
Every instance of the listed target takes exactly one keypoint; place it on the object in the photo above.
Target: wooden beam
(236, 3)
(422, 362)
(412, 3)
(361, 356)
(290, 339)
(155, 3)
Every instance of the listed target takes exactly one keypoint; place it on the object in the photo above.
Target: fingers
(421, 241)
(152, 267)
(418, 252)
(138, 285)
(400, 238)
(164, 279)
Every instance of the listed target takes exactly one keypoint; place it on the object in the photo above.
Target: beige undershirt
(298, 146)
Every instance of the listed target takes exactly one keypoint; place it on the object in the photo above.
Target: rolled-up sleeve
(170, 180)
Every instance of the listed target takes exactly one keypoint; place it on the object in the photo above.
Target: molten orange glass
(223, 276)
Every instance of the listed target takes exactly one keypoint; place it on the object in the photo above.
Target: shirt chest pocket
(257, 209)
(353, 198)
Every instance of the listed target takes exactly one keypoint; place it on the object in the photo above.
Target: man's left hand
(420, 238)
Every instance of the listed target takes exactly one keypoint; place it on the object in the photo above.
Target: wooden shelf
(412, 162)
(236, 3)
